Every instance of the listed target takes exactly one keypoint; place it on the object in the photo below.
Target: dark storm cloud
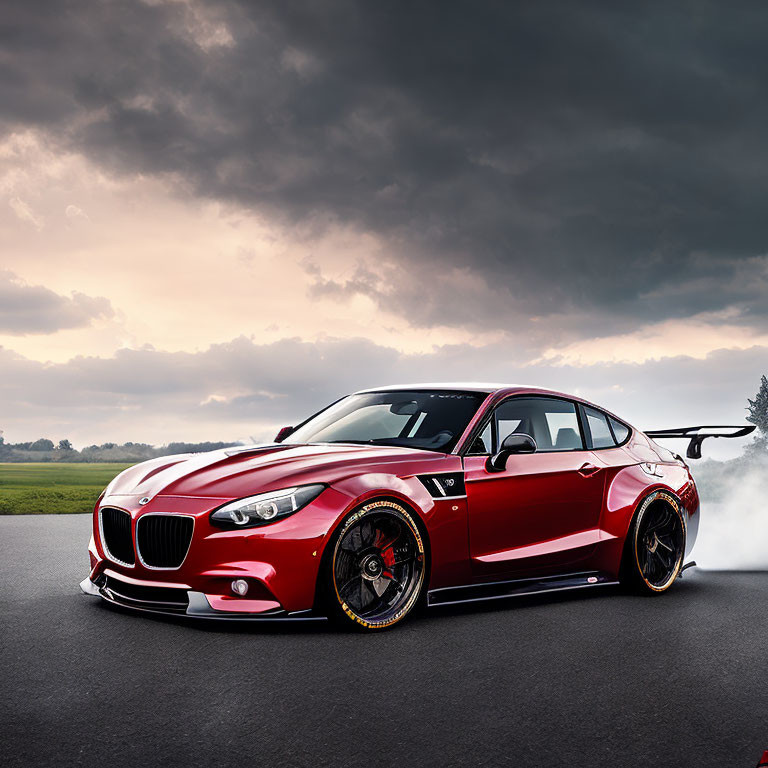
(602, 162)
(30, 309)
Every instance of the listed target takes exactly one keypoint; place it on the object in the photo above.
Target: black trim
(470, 593)
(166, 599)
(444, 485)
(692, 564)
(586, 433)
(628, 427)
(195, 607)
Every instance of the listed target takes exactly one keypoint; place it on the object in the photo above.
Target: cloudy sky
(216, 217)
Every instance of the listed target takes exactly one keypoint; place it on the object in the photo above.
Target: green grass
(58, 488)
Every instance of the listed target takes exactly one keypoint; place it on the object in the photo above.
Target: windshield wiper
(355, 442)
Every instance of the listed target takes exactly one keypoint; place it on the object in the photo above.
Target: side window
(598, 427)
(620, 431)
(483, 444)
(553, 424)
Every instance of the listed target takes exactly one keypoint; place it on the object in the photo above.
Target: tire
(374, 572)
(655, 546)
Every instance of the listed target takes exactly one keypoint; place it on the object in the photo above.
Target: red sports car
(400, 496)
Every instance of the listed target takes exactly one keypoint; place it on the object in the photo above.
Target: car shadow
(322, 626)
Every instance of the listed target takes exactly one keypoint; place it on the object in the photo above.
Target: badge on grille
(144, 500)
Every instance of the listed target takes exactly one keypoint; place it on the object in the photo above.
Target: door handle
(587, 470)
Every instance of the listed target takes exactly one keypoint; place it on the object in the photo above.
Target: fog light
(240, 587)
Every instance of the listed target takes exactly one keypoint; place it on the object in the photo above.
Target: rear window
(599, 429)
(620, 431)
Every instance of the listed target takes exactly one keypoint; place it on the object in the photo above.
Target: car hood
(237, 472)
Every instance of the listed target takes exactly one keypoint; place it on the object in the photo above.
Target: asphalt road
(594, 678)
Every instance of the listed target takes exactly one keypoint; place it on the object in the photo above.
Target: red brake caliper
(387, 552)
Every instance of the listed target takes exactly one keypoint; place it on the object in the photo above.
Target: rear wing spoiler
(697, 435)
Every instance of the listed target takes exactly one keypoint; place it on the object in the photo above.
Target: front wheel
(655, 545)
(375, 572)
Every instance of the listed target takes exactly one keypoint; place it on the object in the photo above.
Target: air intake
(116, 535)
(162, 541)
(151, 598)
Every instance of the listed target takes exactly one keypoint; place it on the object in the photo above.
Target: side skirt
(498, 590)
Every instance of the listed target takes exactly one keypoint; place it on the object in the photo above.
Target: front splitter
(198, 607)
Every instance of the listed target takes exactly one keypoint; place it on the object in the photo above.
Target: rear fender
(627, 491)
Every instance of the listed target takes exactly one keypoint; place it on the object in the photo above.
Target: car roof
(457, 386)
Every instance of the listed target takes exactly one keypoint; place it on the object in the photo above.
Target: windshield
(430, 420)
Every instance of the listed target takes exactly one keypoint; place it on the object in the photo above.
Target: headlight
(264, 508)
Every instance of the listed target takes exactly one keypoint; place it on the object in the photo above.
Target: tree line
(44, 450)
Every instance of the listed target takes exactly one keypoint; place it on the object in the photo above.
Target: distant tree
(41, 445)
(758, 415)
(64, 445)
(758, 408)
(172, 448)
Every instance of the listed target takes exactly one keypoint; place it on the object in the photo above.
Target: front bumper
(280, 562)
(111, 587)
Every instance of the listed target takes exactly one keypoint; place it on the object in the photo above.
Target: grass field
(33, 489)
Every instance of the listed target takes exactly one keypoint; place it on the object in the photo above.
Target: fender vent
(444, 485)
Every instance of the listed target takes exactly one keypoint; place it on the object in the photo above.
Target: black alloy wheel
(657, 540)
(376, 570)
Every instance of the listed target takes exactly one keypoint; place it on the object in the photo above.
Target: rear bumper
(148, 597)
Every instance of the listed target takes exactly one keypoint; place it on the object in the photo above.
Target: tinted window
(433, 420)
(599, 429)
(620, 431)
(371, 422)
(552, 423)
(483, 442)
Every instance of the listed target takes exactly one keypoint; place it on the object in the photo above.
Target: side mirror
(517, 442)
(283, 433)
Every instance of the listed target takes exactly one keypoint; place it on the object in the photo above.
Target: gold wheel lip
(351, 520)
(675, 504)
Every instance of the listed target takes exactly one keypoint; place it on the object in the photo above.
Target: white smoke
(733, 532)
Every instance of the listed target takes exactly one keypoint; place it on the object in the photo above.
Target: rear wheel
(655, 545)
(375, 572)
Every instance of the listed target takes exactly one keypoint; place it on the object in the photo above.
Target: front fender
(443, 521)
